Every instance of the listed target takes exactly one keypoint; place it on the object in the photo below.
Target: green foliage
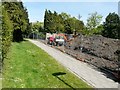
(65, 16)
(53, 22)
(37, 26)
(71, 24)
(14, 23)
(93, 21)
(98, 30)
(68, 24)
(48, 22)
(19, 17)
(112, 26)
(61, 23)
(7, 28)
(0, 32)
(85, 31)
(79, 26)
(93, 24)
(42, 35)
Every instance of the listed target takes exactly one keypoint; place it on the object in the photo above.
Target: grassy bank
(27, 66)
(0, 84)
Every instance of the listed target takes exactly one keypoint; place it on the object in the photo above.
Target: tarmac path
(82, 70)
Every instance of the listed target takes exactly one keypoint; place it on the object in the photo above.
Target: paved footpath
(80, 69)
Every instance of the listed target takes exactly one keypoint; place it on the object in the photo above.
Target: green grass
(28, 66)
(0, 84)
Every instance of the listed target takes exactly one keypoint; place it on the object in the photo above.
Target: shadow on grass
(20, 41)
(59, 74)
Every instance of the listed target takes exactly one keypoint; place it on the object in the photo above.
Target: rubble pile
(97, 50)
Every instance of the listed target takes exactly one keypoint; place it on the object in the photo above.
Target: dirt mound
(97, 45)
(103, 49)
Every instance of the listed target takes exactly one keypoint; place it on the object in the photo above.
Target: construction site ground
(83, 70)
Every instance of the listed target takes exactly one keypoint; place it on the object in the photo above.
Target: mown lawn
(28, 66)
(0, 84)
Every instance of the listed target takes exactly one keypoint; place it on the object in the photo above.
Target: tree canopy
(19, 18)
(94, 20)
(112, 26)
(15, 23)
(93, 23)
(61, 23)
(7, 28)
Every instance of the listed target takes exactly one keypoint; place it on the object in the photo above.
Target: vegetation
(93, 21)
(93, 24)
(0, 38)
(37, 30)
(7, 28)
(112, 26)
(15, 22)
(28, 66)
(55, 23)
(38, 26)
(19, 17)
(64, 23)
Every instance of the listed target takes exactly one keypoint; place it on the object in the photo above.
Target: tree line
(61, 23)
(64, 23)
(110, 28)
(15, 23)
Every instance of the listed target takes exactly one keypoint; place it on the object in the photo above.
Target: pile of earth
(105, 51)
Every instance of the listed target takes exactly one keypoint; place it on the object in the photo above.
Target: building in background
(119, 8)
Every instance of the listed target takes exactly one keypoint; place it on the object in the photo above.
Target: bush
(7, 28)
(112, 26)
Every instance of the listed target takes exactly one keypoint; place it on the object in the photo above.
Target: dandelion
(22, 85)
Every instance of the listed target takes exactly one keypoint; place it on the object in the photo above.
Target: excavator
(57, 39)
(60, 39)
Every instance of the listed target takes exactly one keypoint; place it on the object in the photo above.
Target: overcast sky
(36, 8)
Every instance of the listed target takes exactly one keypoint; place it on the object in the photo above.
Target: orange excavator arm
(65, 38)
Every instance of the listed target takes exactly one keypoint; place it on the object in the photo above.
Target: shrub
(7, 28)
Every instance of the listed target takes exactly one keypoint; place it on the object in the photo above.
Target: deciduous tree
(93, 22)
(112, 26)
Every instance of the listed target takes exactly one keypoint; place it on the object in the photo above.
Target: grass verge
(28, 66)
(0, 84)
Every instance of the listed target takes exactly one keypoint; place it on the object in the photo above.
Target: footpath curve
(82, 70)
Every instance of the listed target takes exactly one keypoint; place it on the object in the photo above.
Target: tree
(66, 23)
(7, 29)
(14, 20)
(79, 26)
(112, 26)
(46, 21)
(93, 22)
(37, 26)
(53, 22)
(49, 25)
(19, 17)
(65, 16)
(98, 30)
(61, 23)
(71, 24)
